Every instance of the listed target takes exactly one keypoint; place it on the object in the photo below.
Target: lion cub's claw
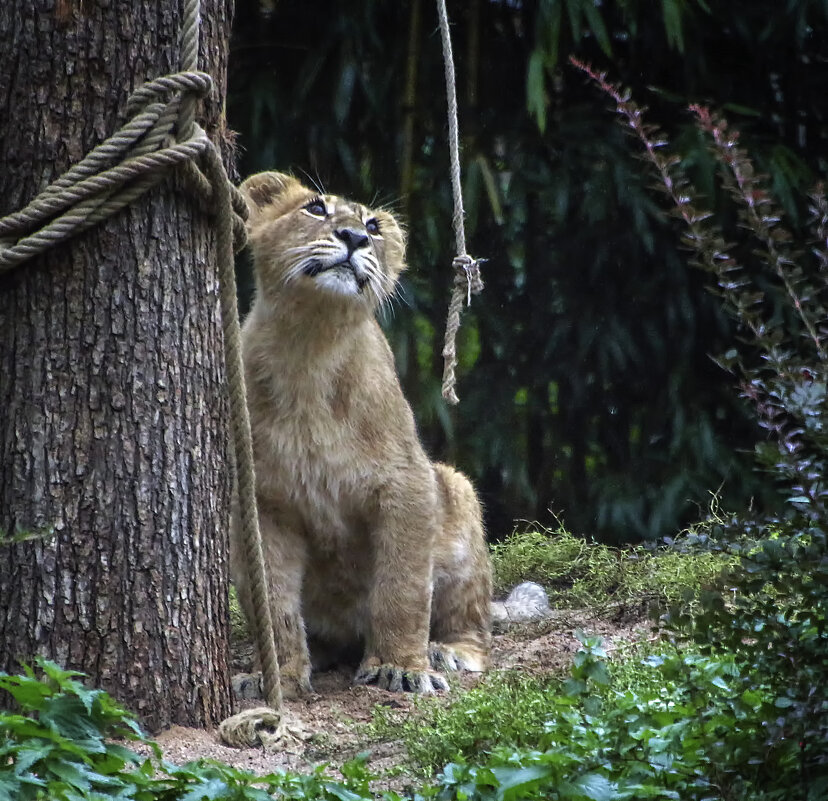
(397, 679)
(456, 657)
(294, 688)
(249, 686)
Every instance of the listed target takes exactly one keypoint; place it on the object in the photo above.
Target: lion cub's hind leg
(284, 557)
(461, 605)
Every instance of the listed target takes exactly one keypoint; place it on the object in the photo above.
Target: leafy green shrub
(770, 613)
(678, 726)
(577, 573)
(60, 746)
(778, 300)
(670, 726)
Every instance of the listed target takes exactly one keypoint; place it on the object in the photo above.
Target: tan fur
(368, 544)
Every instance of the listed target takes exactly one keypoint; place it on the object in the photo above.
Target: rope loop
(199, 84)
(120, 170)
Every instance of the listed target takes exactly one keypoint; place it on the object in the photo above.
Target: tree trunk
(113, 443)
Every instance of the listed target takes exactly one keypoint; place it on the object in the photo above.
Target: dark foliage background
(587, 386)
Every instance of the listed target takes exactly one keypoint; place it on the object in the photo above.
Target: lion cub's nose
(352, 238)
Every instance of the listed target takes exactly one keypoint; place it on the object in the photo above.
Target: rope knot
(467, 275)
(194, 83)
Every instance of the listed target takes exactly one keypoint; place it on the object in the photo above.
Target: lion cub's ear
(264, 189)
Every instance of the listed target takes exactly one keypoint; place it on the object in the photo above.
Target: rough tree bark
(113, 413)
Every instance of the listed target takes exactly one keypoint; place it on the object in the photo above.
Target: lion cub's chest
(321, 471)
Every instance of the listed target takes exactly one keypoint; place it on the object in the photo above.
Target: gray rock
(526, 602)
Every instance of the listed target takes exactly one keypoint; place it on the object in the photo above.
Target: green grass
(505, 708)
(581, 574)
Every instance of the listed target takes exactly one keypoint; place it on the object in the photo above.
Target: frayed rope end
(467, 282)
(262, 727)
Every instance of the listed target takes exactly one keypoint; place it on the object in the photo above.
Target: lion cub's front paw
(398, 679)
(247, 686)
(457, 656)
(294, 687)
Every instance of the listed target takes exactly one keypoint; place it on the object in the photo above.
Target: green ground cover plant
(675, 727)
(671, 724)
(65, 742)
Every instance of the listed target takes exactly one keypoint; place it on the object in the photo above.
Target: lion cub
(369, 546)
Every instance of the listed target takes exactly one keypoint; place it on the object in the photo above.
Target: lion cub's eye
(372, 226)
(316, 207)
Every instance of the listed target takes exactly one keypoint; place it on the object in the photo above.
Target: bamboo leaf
(598, 28)
(574, 10)
(344, 92)
(491, 188)
(536, 89)
(672, 12)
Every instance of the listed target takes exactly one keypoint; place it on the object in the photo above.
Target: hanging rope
(240, 421)
(467, 280)
(162, 134)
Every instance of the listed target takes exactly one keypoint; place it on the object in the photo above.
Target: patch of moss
(577, 573)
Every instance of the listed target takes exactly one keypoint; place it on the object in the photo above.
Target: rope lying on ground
(162, 134)
(467, 280)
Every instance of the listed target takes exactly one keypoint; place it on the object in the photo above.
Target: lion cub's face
(309, 244)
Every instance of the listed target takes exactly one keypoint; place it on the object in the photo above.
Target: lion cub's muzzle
(319, 267)
(345, 258)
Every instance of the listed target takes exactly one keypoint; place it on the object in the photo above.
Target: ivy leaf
(66, 713)
(596, 787)
(30, 753)
(71, 773)
(9, 788)
(341, 792)
(511, 779)
(593, 786)
(208, 790)
(26, 690)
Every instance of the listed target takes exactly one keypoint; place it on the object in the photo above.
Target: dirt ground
(332, 716)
